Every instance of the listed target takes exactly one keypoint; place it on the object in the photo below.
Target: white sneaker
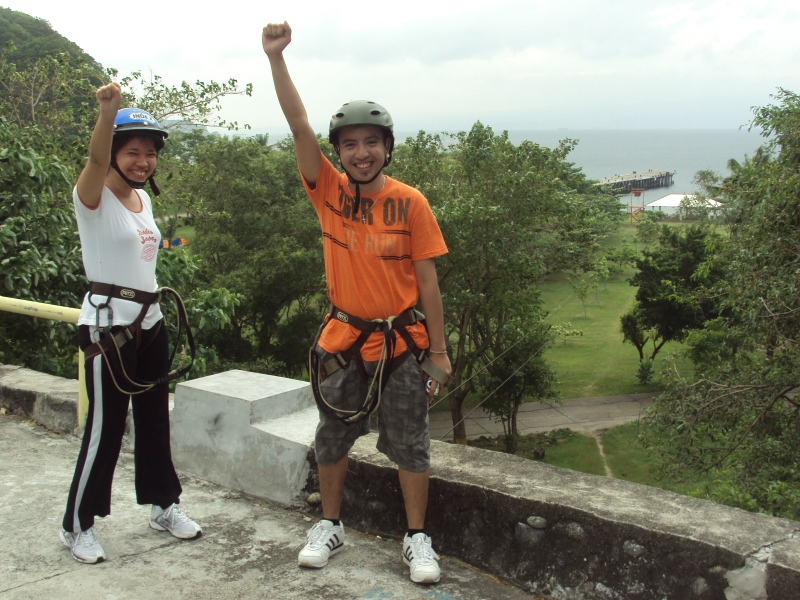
(419, 555)
(84, 546)
(324, 540)
(174, 520)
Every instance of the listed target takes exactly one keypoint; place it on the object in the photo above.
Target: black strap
(125, 293)
(404, 319)
(110, 344)
(341, 359)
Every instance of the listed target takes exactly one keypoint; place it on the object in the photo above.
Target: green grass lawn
(562, 448)
(571, 450)
(629, 460)
(579, 453)
(596, 363)
(625, 458)
(187, 232)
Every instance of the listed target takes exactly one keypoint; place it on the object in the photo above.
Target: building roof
(676, 199)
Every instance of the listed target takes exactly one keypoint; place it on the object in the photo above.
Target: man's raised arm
(274, 38)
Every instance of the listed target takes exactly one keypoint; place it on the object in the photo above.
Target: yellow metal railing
(56, 313)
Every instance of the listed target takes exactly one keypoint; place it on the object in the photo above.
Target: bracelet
(437, 351)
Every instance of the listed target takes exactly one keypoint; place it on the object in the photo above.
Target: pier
(647, 181)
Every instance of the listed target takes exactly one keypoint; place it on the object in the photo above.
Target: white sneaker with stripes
(175, 520)
(419, 555)
(324, 540)
(84, 546)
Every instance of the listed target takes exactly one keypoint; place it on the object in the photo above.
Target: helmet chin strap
(358, 183)
(137, 184)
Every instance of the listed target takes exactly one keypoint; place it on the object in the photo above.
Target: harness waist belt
(404, 319)
(398, 323)
(124, 293)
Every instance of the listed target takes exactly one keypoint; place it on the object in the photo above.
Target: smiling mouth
(140, 174)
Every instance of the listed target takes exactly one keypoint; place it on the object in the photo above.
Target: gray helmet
(362, 112)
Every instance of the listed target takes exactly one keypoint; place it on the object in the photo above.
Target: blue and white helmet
(129, 120)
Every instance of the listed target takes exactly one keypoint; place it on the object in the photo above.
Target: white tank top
(119, 246)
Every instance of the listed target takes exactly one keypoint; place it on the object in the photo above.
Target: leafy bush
(645, 371)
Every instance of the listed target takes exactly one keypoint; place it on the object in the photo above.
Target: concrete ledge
(50, 401)
(573, 535)
(783, 571)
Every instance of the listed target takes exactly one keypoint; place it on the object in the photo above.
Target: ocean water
(604, 153)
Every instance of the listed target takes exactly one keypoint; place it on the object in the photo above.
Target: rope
(530, 358)
(498, 357)
(146, 386)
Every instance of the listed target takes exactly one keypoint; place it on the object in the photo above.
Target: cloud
(483, 31)
(510, 63)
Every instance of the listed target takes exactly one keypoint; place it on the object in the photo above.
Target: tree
(620, 257)
(209, 310)
(636, 332)
(45, 123)
(189, 104)
(51, 94)
(581, 290)
(737, 418)
(518, 373)
(509, 214)
(601, 271)
(648, 227)
(565, 331)
(258, 235)
(40, 256)
(671, 294)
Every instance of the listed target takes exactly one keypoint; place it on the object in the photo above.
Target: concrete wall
(572, 535)
(552, 531)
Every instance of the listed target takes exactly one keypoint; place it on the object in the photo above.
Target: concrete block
(246, 431)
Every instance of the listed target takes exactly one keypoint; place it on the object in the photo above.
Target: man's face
(362, 151)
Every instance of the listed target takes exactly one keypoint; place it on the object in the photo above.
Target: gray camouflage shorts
(402, 415)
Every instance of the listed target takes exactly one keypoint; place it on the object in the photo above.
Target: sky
(441, 66)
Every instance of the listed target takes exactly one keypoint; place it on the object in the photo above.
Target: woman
(119, 242)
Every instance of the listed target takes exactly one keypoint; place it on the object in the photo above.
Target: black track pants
(156, 480)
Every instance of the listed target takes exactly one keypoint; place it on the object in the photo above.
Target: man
(380, 241)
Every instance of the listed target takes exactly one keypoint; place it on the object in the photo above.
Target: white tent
(674, 201)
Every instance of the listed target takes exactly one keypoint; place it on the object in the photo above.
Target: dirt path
(598, 437)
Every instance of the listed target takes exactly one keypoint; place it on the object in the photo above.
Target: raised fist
(109, 97)
(275, 37)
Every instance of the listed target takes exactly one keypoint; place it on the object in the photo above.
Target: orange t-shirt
(369, 257)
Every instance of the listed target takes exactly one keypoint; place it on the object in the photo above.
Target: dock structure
(647, 180)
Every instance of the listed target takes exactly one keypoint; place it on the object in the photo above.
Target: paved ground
(580, 414)
(248, 550)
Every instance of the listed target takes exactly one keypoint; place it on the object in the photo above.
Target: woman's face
(137, 158)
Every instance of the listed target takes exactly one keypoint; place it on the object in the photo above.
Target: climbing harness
(319, 370)
(110, 340)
